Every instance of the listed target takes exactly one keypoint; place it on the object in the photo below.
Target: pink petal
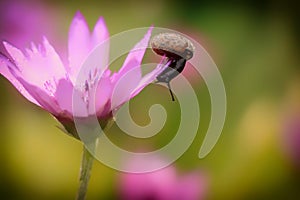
(79, 44)
(55, 66)
(47, 102)
(191, 186)
(158, 184)
(15, 53)
(125, 85)
(149, 78)
(63, 95)
(41, 67)
(136, 54)
(4, 63)
(79, 104)
(70, 99)
(100, 32)
(100, 96)
(100, 41)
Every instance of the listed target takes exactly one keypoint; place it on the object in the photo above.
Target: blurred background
(255, 45)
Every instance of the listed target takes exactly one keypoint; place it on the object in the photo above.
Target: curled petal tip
(12, 50)
(151, 28)
(78, 15)
(79, 19)
(101, 19)
(100, 26)
(45, 40)
(6, 44)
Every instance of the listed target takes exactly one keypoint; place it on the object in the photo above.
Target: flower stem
(85, 172)
(87, 164)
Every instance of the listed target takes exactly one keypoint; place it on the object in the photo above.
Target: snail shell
(172, 45)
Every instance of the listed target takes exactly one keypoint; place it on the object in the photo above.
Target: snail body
(177, 50)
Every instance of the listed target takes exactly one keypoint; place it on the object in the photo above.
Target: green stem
(87, 164)
(85, 173)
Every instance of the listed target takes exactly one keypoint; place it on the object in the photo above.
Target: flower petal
(79, 104)
(53, 63)
(15, 53)
(136, 54)
(100, 96)
(41, 67)
(79, 43)
(190, 186)
(4, 70)
(129, 76)
(149, 78)
(63, 95)
(47, 102)
(100, 41)
(100, 32)
(103, 94)
(126, 84)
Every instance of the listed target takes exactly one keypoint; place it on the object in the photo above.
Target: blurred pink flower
(36, 20)
(292, 138)
(164, 184)
(40, 76)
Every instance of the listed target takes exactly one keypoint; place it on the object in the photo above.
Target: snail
(177, 50)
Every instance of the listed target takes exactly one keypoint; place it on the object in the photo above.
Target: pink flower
(42, 78)
(24, 21)
(291, 139)
(164, 184)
